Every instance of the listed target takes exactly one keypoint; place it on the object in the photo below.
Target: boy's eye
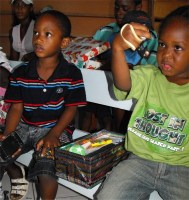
(35, 33)
(161, 44)
(178, 48)
(48, 34)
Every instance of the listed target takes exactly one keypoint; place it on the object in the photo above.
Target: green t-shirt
(159, 126)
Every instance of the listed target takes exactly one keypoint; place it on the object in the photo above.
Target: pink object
(2, 91)
(3, 111)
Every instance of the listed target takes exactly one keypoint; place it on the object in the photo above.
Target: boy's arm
(65, 119)
(13, 117)
(120, 68)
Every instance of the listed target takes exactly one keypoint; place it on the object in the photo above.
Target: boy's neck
(178, 80)
(45, 68)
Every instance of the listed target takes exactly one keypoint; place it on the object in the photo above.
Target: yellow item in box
(101, 143)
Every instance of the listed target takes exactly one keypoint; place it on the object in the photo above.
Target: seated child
(158, 131)
(44, 96)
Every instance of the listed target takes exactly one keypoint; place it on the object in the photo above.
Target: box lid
(82, 49)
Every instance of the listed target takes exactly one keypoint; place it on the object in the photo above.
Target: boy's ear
(65, 42)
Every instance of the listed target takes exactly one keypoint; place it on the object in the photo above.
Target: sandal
(2, 196)
(19, 187)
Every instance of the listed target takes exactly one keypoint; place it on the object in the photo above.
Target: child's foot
(1, 192)
(19, 187)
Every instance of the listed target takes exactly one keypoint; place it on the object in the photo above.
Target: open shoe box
(87, 160)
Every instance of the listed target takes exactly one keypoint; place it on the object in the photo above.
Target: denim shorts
(30, 135)
(136, 178)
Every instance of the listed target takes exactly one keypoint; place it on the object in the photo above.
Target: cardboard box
(83, 52)
(87, 160)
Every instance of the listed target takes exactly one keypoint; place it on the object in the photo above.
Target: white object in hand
(134, 34)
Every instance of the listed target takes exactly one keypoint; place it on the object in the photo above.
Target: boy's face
(173, 51)
(122, 7)
(48, 37)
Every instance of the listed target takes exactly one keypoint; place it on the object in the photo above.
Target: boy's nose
(37, 38)
(167, 53)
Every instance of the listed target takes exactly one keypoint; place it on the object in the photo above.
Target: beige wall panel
(163, 7)
(87, 26)
(5, 6)
(104, 8)
(79, 7)
(71, 7)
(5, 24)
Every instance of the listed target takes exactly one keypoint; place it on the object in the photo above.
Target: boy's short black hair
(62, 19)
(137, 2)
(137, 16)
(181, 13)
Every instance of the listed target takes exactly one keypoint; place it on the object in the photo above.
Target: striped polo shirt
(45, 101)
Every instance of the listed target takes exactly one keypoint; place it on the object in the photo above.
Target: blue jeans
(30, 135)
(135, 178)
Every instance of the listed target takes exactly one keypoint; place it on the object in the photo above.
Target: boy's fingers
(16, 153)
(139, 26)
(141, 30)
(47, 152)
(134, 34)
(52, 151)
(43, 151)
(143, 33)
(39, 145)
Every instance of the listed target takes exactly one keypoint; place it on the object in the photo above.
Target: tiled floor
(63, 192)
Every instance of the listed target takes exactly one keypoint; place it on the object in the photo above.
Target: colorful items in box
(87, 160)
(83, 52)
(82, 148)
(86, 146)
(78, 149)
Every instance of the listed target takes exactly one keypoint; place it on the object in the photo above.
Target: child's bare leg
(14, 171)
(48, 187)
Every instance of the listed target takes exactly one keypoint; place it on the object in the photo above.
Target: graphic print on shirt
(160, 129)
